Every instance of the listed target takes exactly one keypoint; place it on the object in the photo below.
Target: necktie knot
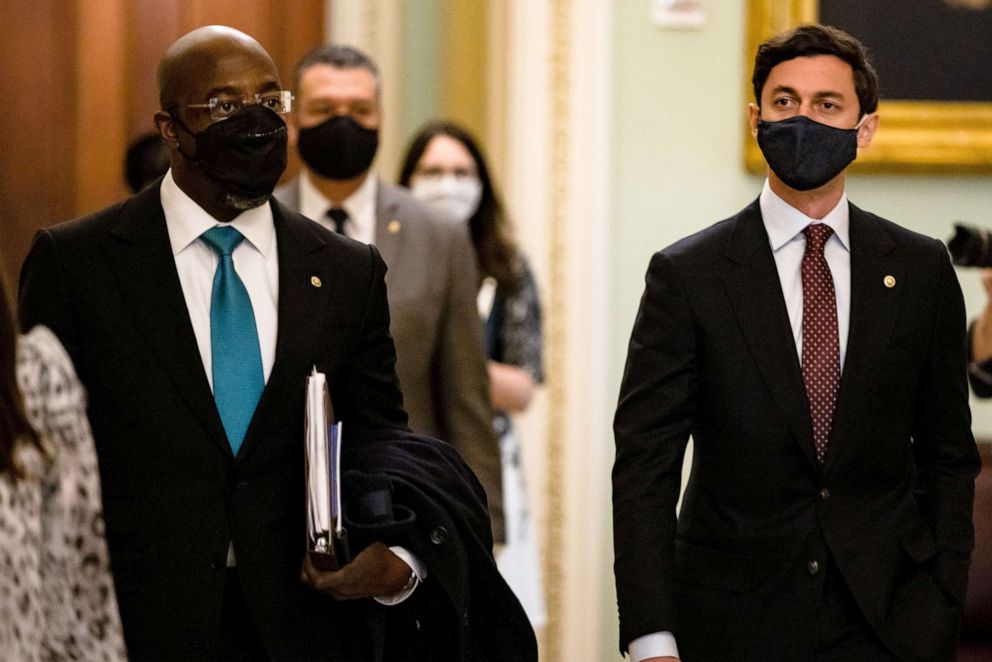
(817, 235)
(222, 239)
(339, 217)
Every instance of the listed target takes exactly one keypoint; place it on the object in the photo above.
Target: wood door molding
(79, 84)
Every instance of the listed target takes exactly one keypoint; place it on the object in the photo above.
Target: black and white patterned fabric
(57, 598)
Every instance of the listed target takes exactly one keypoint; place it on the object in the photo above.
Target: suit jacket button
(439, 535)
(813, 567)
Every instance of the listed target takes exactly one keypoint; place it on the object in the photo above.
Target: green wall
(422, 64)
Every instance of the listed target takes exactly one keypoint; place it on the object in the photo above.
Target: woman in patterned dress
(57, 598)
(444, 167)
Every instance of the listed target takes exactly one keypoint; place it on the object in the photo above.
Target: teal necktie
(236, 358)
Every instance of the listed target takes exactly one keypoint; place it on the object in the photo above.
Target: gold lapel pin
(315, 281)
(890, 281)
(393, 227)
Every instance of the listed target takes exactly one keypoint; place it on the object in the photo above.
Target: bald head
(235, 168)
(197, 55)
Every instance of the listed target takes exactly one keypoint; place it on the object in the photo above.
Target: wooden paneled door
(79, 85)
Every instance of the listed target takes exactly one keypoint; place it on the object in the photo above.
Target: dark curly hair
(812, 39)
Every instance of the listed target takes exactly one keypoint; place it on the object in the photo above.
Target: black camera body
(970, 246)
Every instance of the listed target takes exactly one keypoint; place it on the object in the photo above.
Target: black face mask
(338, 148)
(245, 154)
(806, 154)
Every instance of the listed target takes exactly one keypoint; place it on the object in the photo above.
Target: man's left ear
(165, 124)
(869, 125)
(753, 115)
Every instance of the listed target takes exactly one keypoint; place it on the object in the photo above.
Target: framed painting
(932, 58)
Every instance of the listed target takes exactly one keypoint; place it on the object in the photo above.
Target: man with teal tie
(236, 359)
(194, 312)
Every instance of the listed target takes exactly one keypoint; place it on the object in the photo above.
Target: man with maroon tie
(815, 353)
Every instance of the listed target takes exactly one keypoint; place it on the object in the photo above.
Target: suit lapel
(389, 230)
(140, 256)
(755, 293)
(305, 285)
(873, 315)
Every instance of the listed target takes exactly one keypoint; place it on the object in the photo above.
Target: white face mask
(458, 197)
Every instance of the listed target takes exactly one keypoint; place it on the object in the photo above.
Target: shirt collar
(315, 204)
(783, 221)
(187, 220)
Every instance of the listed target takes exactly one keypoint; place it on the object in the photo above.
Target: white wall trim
(557, 179)
(376, 27)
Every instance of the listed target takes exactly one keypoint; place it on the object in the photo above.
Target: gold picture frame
(913, 136)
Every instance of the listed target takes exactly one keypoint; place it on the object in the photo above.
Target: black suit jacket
(174, 494)
(712, 356)
(464, 610)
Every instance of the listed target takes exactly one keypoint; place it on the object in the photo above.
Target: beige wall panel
(465, 58)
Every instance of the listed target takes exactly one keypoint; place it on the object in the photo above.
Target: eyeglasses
(224, 106)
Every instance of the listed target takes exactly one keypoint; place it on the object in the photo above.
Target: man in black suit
(197, 400)
(815, 353)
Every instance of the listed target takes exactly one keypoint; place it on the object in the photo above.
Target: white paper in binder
(327, 541)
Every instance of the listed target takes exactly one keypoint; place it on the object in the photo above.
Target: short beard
(241, 203)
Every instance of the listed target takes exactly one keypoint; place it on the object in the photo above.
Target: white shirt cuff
(656, 644)
(419, 574)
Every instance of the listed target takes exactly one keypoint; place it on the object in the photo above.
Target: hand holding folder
(374, 518)
(327, 539)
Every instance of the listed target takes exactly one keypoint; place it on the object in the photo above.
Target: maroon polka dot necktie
(821, 344)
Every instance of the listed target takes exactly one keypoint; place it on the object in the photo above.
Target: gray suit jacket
(440, 358)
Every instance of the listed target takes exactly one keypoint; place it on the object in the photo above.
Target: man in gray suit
(432, 278)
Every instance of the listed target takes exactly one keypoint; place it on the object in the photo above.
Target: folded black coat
(464, 610)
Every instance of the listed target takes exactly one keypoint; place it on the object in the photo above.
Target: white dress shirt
(255, 259)
(360, 206)
(784, 225)
(256, 262)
